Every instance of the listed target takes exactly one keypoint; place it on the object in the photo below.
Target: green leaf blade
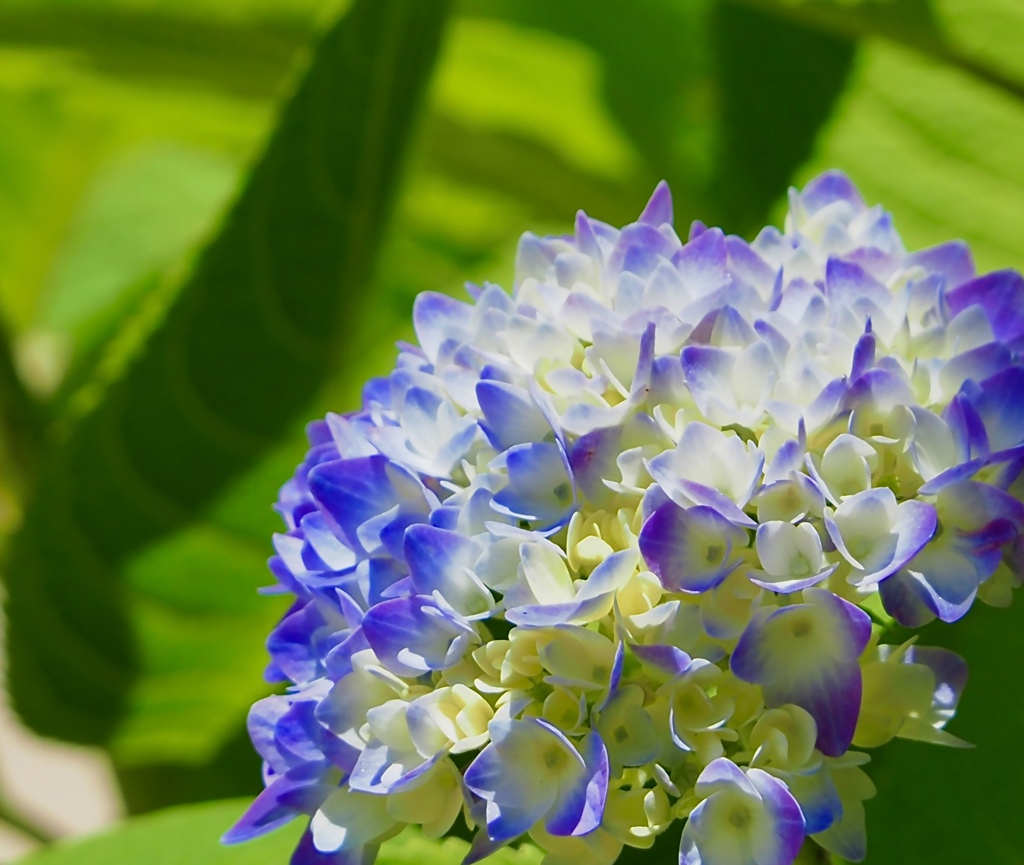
(272, 309)
(190, 834)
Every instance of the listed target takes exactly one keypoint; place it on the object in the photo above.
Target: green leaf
(955, 32)
(703, 90)
(70, 142)
(142, 211)
(187, 834)
(990, 30)
(131, 602)
(760, 61)
(191, 834)
(937, 146)
(948, 805)
(244, 51)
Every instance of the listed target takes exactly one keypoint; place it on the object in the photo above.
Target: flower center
(739, 817)
(801, 627)
(554, 757)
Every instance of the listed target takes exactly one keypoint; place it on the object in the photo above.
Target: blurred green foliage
(161, 348)
(157, 840)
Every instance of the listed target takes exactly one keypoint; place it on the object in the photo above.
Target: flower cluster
(618, 549)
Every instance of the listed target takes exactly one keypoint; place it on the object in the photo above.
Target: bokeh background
(152, 396)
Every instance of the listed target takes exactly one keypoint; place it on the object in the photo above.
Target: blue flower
(598, 554)
(744, 818)
(530, 773)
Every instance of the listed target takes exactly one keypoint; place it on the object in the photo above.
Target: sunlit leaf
(70, 141)
(140, 213)
(246, 50)
(939, 147)
(187, 834)
(190, 834)
(491, 65)
(991, 30)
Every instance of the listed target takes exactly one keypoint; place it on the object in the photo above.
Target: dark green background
(214, 217)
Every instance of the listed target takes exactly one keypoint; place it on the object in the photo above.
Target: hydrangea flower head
(620, 548)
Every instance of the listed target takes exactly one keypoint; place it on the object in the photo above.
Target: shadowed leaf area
(951, 805)
(113, 582)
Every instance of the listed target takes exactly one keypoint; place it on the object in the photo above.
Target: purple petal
(639, 250)
(301, 640)
(307, 854)
(1001, 295)
(481, 847)
(355, 492)
(979, 363)
(328, 548)
(382, 770)
(951, 476)
(592, 458)
(707, 371)
(702, 262)
(504, 774)
(539, 486)
(690, 549)
(786, 816)
(966, 424)
(916, 523)
(828, 188)
(412, 636)
(787, 587)
(950, 673)
(581, 808)
(511, 416)
(297, 792)
(644, 363)
(807, 654)
(586, 237)
(878, 388)
(709, 837)
(905, 599)
(818, 798)
(914, 526)
(852, 287)
(439, 319)
(299, 734)
(659, 209)
(614, 679)
(723, 774)
(670, 660)
(592, 601)
(747, 264)
(952, 260)
(863, 355)
(1000, 405)
(262, 724)
(439, 561)
(944, 580)
(704, 495)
